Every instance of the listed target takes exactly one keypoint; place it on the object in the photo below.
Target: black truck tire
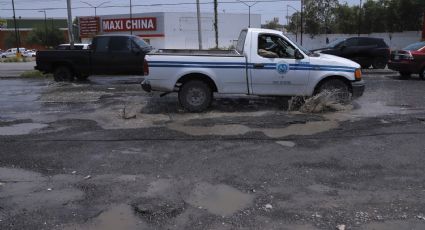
(405, 75)
(379, 63)
(63, 73)
(340, 91)
(195, 96)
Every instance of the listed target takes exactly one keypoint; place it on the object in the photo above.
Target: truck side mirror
(298, 55)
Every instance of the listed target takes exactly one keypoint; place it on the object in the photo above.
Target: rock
(87, 177)
(420, 217)
(289, 144)
(268, 206)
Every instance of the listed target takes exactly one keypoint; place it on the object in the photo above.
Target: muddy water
(117, 217)
(220, 199)
(21, 129)
(308, 128)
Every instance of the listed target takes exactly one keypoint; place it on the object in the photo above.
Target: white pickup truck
(264, 63)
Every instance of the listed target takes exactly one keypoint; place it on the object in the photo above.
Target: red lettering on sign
(127, 24)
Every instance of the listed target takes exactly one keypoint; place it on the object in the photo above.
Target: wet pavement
(102, 154)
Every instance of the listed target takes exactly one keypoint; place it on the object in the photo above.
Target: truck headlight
(358, 74)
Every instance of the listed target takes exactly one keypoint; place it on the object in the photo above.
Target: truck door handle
(258, 65)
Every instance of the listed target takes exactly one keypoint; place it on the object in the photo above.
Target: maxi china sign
(127, 24)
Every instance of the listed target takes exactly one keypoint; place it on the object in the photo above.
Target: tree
(273, 24)
(216, 22)
(320, 16)
(294, 23)
(10, 40)
(38, 35)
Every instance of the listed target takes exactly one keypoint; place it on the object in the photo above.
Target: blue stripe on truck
(242, 65)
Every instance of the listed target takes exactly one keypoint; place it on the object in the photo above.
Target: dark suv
(363, 50)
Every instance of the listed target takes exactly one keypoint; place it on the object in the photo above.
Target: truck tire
(422, 73)
(63, 73)
(339, 90)
(405, 75)
(195, 96)
(379, 63)
(82, 77)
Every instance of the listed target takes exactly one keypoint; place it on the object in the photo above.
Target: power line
(149, 5)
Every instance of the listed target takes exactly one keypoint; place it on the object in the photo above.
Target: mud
(221, 199)
(21, 129)
(116, 217)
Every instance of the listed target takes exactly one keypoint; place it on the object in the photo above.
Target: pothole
(156, 210)
(221, 199)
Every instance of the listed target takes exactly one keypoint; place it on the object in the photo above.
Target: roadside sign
(3, 24)
(89, 26)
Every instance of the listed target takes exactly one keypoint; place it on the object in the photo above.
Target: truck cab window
(272, 46)
(120, 44)
(102, 44)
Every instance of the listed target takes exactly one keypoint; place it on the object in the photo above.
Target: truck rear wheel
(195, 96)
(422, 74)
(339, 91)
(379, 63)
(63, 73)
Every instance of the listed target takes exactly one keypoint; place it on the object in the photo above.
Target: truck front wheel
(63, 73)
(338, 90)
(195, 96)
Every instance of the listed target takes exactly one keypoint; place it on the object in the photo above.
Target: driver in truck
(263, 50)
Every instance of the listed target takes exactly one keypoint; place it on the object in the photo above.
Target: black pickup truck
(107, 55)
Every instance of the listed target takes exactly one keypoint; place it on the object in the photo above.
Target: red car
(410, 60)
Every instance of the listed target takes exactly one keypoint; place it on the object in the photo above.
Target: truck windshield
(335, 43)
(142, 44)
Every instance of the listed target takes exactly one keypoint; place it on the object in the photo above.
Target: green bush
(34, 73)
(16, 59)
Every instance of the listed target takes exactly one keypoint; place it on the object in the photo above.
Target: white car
(265, 63)
(12, 52)
(77, 46)
(29, 53)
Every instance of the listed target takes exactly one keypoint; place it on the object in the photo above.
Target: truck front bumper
(146, 86)
(358, 88)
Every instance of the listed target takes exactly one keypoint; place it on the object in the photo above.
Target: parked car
(77, 46)
(108, 55)
(12, 52)
(409, 60)
(364, 50)
(29, 53)
(264, 63)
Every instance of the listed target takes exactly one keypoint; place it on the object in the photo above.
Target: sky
(268, 10)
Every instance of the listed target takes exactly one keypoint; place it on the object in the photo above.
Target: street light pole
(302, 21)
(198, 15)
(249, 10)
(296, 29)
(16, 30)
(95, 7)
(70, 33)
(45, 26)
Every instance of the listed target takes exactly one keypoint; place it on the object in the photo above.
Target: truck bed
(193, 52)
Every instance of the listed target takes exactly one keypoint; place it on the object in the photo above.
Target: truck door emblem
(282, 67)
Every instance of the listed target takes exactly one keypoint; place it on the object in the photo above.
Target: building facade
(164, 30)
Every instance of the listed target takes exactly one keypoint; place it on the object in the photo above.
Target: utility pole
(45, 26)
(18, 54)
(198, 15)
(131, 18)
(95, 7)
(360, 18)
(302, 21)
(249, 11)
(70, 27)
